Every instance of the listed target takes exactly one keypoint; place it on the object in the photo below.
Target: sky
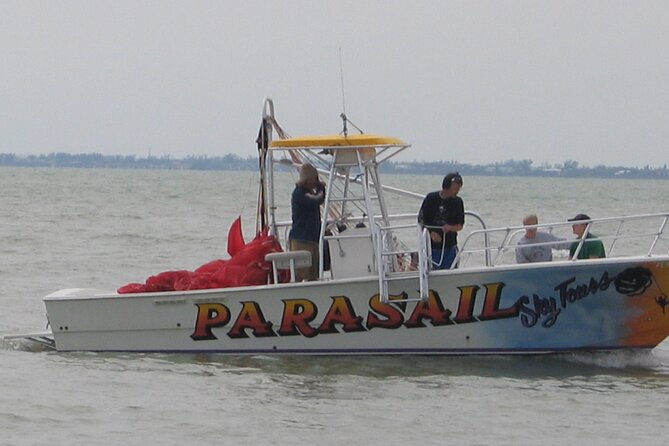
(470, 81)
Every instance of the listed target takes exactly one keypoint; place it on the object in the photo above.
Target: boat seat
(288, 260)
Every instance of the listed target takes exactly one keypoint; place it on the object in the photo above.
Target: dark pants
(447, 261)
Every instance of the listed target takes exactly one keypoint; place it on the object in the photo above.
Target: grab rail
(633, 227)
(614, 232)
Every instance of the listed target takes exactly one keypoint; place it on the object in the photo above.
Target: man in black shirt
(443, 213)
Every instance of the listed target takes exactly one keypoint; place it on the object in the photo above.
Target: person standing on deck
(592, 248)
(443, 213)
(306, 200)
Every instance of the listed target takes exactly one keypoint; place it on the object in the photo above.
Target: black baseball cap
(579, 217)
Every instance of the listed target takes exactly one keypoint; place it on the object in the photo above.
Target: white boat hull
(517, 309)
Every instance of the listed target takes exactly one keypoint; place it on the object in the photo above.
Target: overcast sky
(472, 81)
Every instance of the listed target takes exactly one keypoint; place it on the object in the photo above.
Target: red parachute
(246, 266)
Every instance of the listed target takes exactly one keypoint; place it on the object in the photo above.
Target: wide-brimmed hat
(580, 217)
(307, 172)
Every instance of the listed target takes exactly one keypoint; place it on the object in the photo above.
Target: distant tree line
(568, 168)
(525, 168)
(97, 160)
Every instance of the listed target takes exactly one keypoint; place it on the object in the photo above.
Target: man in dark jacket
(308, 195)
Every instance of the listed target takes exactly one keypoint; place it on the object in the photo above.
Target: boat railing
(403, 250)
(399, 237)
(635, 235)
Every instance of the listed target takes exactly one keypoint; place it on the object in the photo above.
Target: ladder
(387, 253)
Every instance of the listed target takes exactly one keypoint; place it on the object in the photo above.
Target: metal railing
(635, 235)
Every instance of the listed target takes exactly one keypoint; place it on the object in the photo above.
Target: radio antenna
(343, 116)
(343, 95)
(341, 75)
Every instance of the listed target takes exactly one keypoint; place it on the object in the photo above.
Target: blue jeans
(447, 261)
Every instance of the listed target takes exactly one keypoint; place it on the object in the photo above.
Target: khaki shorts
(306, 273)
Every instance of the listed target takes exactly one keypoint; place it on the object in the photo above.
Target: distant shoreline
(523, 168)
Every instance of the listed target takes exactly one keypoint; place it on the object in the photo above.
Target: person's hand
(436, 237)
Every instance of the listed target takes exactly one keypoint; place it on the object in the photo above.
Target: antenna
(341, 75)
(343, 95)
(343, 116)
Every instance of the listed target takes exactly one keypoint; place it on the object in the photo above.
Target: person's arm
(452, 228)
(425, 218)
(520, 255)
(559, 242)
(320, 187)
(319, 193)
(422, 212)
(310, 198)
(459, 219)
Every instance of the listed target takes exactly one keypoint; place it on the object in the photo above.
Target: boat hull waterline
(529, 309)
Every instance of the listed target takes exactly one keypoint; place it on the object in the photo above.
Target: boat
(378, 293)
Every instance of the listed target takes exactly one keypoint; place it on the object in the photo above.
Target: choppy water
(63, 228)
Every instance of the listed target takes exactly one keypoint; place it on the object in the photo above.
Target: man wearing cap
(592, 247)
(306, 200)
(443, 213)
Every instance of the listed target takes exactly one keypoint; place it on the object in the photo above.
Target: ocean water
(64, 228)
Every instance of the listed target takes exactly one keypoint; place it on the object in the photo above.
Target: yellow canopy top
(338, 141)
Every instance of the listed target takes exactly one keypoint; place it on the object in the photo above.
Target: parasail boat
(376, 291)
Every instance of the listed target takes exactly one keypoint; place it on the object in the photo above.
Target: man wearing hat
(592, 247)
(308, 195)
(443, 213)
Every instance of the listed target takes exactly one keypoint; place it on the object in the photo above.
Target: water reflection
(641, 365)
(633, 364)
